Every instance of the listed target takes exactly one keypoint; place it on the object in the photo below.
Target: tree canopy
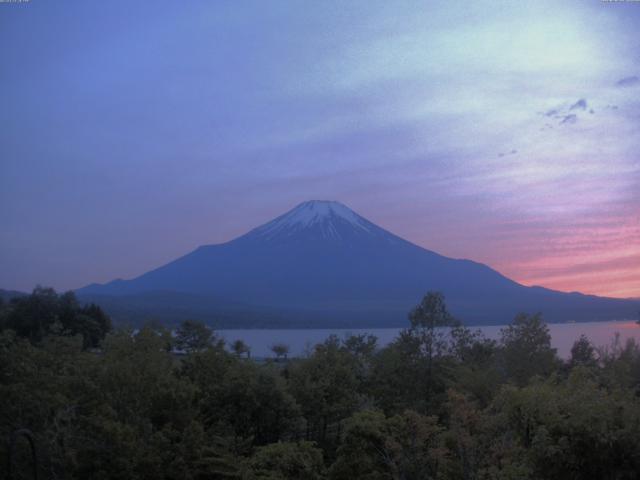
(440, 402)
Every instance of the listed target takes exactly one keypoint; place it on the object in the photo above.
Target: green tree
(44, 313)
(412, 372)
(428, 320)
(402, 447)
(621, 364)
(454, 404)
(90, 321)
(245, 401)
(240, 348)
(361, 349)
(286, 461)
(476, 369)
(573, 429)
(526, 349)
(193, 336)
(254, 402)
(399, 376)
(281, 350)
(139, 406)
(362, 346)
(326, 386)
(465, 437)
(33, 316)
(4, 313)
(583, 353)
(39, 391)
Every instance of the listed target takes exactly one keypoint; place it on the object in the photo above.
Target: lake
(301, 341)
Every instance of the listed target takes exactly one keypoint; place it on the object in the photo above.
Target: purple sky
(505, 132)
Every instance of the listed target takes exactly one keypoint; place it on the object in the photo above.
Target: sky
(504, 132)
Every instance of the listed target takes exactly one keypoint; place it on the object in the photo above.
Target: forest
(440, 402)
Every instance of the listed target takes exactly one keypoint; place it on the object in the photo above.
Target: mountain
(7, 295)
(321, 264)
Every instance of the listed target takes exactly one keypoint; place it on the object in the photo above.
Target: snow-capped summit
(327, 219)
(313, 211)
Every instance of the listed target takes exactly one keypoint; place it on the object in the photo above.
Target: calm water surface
(301, 341)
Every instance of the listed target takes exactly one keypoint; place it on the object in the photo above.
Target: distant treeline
(434, 404)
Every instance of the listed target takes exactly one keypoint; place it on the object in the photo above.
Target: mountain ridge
(322, 257)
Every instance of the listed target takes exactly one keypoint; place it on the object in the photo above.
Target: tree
(44, 313)
(281, 350)
(431, 313)
(362, 349)
(526, 348)
(428, 316)
(582, 353)
(286, 461)
(406, 446)
(399, 375)
(573, 429)
(362, 346)
(33, 316)
(4, 312)
(621, 364)
(477, 411)
(240, 348)
(412, 369)
(326, 386)
(246, 401)
(89, 321)
(253, 403)
(193, 336)
(475, 364)
(465, 437)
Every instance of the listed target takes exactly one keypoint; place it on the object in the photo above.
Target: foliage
(193, 336)
(407, 446)
(325, 385)
(440, 402)
(44, 312)
(286, 461)
(526, 349)
(414, 370)
(574, 429)
(240, 348)
(281, 350)
(583, 353)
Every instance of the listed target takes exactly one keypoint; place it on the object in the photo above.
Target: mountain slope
(321, 263)
(7, 295)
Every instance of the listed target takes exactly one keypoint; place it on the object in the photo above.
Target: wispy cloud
(629, 81)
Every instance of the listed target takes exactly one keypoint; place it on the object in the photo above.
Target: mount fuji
(323, 265)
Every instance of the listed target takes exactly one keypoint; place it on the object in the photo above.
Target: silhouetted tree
(281, 350)
(526, 348)
(361, 345)
(193, 336)
(426, 338)
(44, 312)
(582, 353)
(240, 348)
(406, 446)
(426, 318)
(33, 316)
(286, 461)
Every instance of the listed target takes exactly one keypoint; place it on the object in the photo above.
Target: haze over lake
(302, 340)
